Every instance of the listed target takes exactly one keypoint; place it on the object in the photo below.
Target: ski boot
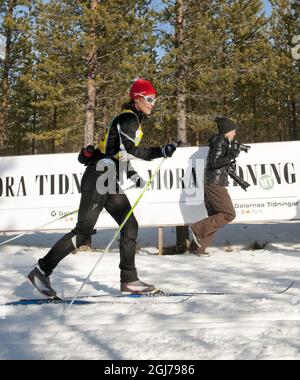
(41, 282)
(137, 287)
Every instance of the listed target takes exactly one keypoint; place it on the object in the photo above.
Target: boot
(137, 287)
(41, 282)
(196, 250)
(195, 238)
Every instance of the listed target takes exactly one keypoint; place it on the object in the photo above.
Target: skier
(120, 143)
(217, 199)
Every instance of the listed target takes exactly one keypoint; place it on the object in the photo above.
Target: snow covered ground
(206, 327)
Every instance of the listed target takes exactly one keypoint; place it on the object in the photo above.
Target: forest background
(66, 67)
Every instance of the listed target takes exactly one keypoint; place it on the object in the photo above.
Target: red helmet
(142, 87)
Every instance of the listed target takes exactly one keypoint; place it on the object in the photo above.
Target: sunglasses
(148, 99)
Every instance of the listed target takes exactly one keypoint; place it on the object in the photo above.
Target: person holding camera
(222, 154)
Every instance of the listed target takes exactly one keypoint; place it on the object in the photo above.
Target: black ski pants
(91, 205)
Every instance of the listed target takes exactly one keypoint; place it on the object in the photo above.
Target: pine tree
(14, 26)
(93, 55)
(286, 93)
(227, 52)
(91, 74)
(125, 50)
(7, 10)
(55, 76)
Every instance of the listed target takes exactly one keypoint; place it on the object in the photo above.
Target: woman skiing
(120, 143)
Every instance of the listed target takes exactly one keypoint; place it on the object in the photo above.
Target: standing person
(120, 143)
(217, 199)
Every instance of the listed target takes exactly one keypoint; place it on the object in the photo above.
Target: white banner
(36, 190)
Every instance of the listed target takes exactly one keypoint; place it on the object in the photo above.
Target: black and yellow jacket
(121, 141)
(123, 137)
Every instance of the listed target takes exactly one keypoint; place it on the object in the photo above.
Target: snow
(206, 327)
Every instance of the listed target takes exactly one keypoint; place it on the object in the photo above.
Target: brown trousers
(220, 212)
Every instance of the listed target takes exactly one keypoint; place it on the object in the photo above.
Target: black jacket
(125, 133)
(121, 142)
(218, 161)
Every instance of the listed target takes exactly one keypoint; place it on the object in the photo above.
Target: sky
(1, 47)
(268, 7)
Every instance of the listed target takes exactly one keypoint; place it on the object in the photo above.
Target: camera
(238, 146)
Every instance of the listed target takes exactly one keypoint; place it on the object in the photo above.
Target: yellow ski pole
(116, 235)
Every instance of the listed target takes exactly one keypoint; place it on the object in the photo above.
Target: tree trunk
(6, 69)
(91, 86)
(54, 126)
(182, 233)
(279, 121)
(181, 83)
(33, 142)
(294, 131)
(254, 124)
(89, 125)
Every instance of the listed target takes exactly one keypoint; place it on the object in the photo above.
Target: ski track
(204, 327)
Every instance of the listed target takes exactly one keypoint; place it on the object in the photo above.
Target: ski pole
(49, 223)
(116, 235)
(38, 228)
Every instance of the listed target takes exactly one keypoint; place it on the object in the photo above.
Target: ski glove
(86, 154)
(169, 150)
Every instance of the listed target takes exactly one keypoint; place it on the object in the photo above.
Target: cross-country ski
(157, 297)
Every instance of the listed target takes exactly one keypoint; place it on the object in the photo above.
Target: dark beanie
(225, 125)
